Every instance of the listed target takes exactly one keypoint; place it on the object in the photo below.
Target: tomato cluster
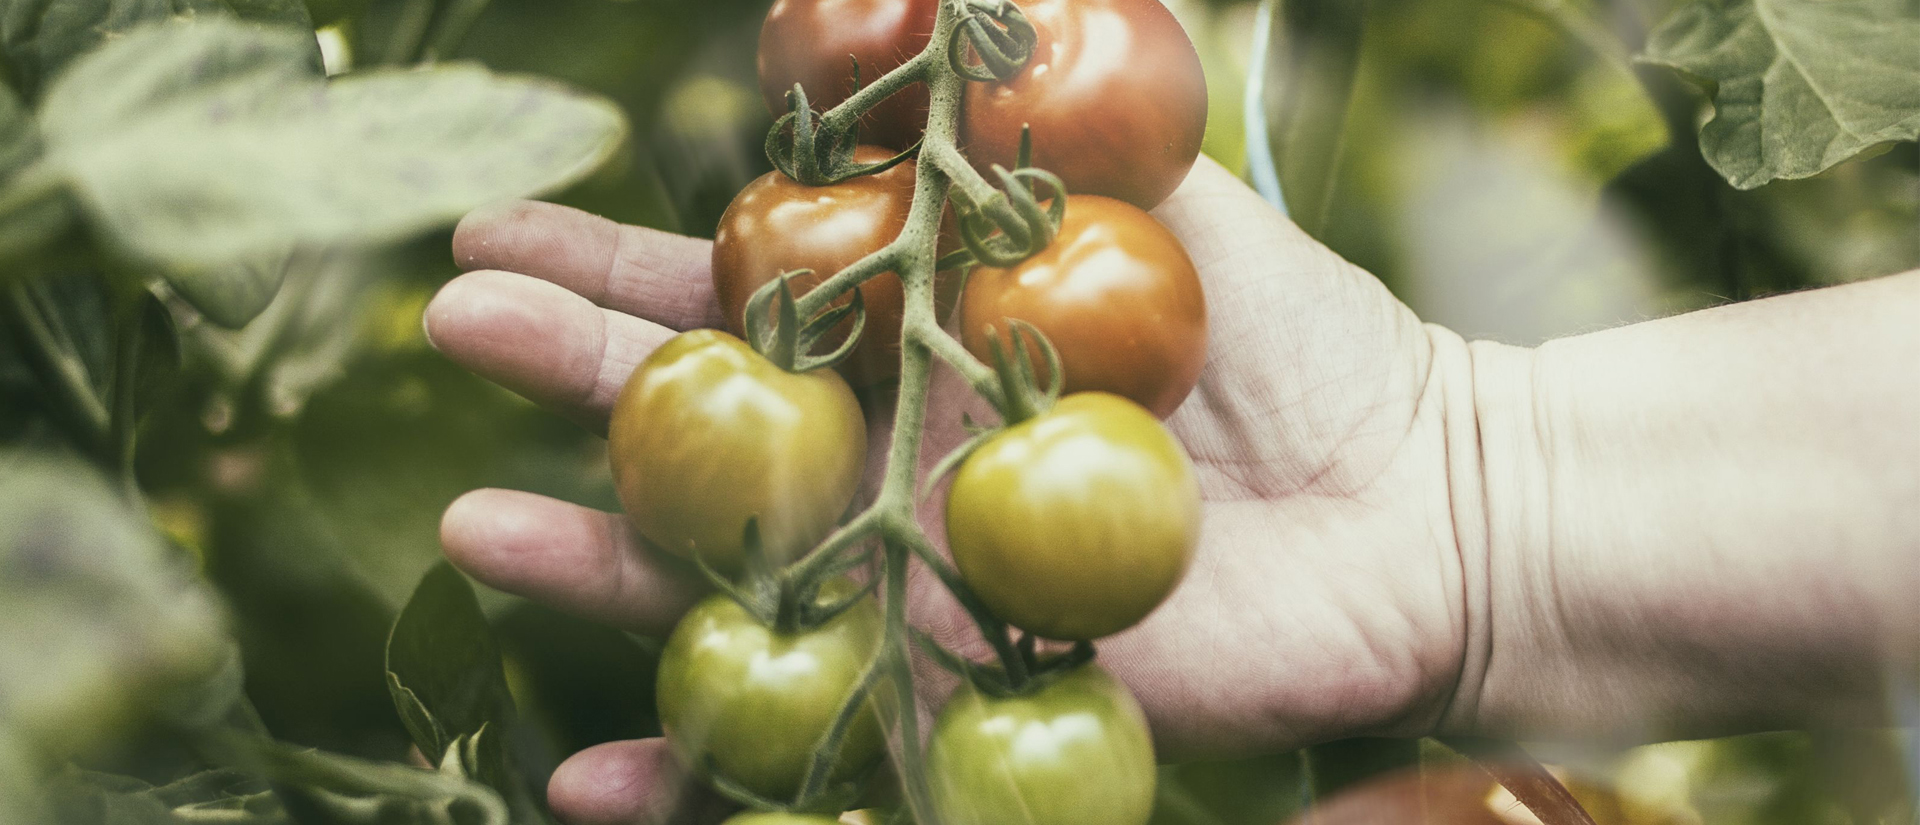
(1113, 93)
(1072, 520)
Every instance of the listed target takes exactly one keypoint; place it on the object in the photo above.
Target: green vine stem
(891, 518)
(55, 365)
(124, 419)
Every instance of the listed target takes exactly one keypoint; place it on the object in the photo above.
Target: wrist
(1694, 526)
(1497, 485)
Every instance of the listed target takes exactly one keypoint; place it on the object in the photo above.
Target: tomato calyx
(998, 35)
(1010, 225)
(829, 800)
(1033, 673)
(1022, 395)
(788, 600)
(784, 340)
(817, 149)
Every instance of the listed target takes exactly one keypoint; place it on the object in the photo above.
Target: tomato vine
(1000, 224)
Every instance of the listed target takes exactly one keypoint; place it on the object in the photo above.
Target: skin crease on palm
(1377, 492)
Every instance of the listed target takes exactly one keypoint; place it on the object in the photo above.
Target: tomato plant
(1114, 95)
(776, 226)
(816, 43)
(1117, 296)
(708, 434)
(1077, 523)
(756, 701)
(1073, 752)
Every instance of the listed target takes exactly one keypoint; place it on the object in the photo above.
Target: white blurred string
(1260, 164)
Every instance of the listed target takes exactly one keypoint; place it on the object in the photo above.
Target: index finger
(662, 277)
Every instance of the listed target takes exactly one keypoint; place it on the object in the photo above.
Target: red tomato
(776, 225)
(1115, 96)
(814, 43)
(1117, 296)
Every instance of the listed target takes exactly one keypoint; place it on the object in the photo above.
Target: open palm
(1326, 598)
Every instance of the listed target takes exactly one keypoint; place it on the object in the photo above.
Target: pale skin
(1700, 525)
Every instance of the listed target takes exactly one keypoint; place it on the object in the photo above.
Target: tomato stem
(906, 74)
(949, 349)
(820, 768)
(892, 516)
(887, 259)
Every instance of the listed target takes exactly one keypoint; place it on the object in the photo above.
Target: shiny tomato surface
(815, 43)
(1078, 522)
(1074, 752)
(756, 701)
(1115, 96)
(776, 225)
(1116, 294)
(707, 434)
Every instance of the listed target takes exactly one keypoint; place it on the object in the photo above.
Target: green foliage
(443, 670)
(40, 37)
(173, 168)
(114, 623)
(1797, 85)
(228, 151)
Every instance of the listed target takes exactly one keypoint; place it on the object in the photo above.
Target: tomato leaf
(1796, 85)
(105, 623)
(40, 37)
(206, 150)
(444, 669)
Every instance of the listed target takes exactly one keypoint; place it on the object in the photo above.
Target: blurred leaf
(1797, 85)
(30, 224)
(329, 12)
(19, 137)
(1300, 87)
(202, 179)
(321, 788)
(100, 623)
(93, 798)
(160, 353)
(40, 37)
(444, 669)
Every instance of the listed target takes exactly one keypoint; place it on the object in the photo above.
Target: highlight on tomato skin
(1076, 751)
(816, 43)
(708, 434)
(776, 225)
(756, 701)
(1077, 523)
(1114, 95)
(1117, 296)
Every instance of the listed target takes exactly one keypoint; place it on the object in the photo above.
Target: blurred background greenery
(1497, 163)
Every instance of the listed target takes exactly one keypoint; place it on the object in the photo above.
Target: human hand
(1326, 598)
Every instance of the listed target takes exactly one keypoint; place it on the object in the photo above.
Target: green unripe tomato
(781, 818)
(1078, 522)
(708, 433)
(1074, 752)
(757, 701)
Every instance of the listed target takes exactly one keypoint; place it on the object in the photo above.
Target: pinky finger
(636, 782)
